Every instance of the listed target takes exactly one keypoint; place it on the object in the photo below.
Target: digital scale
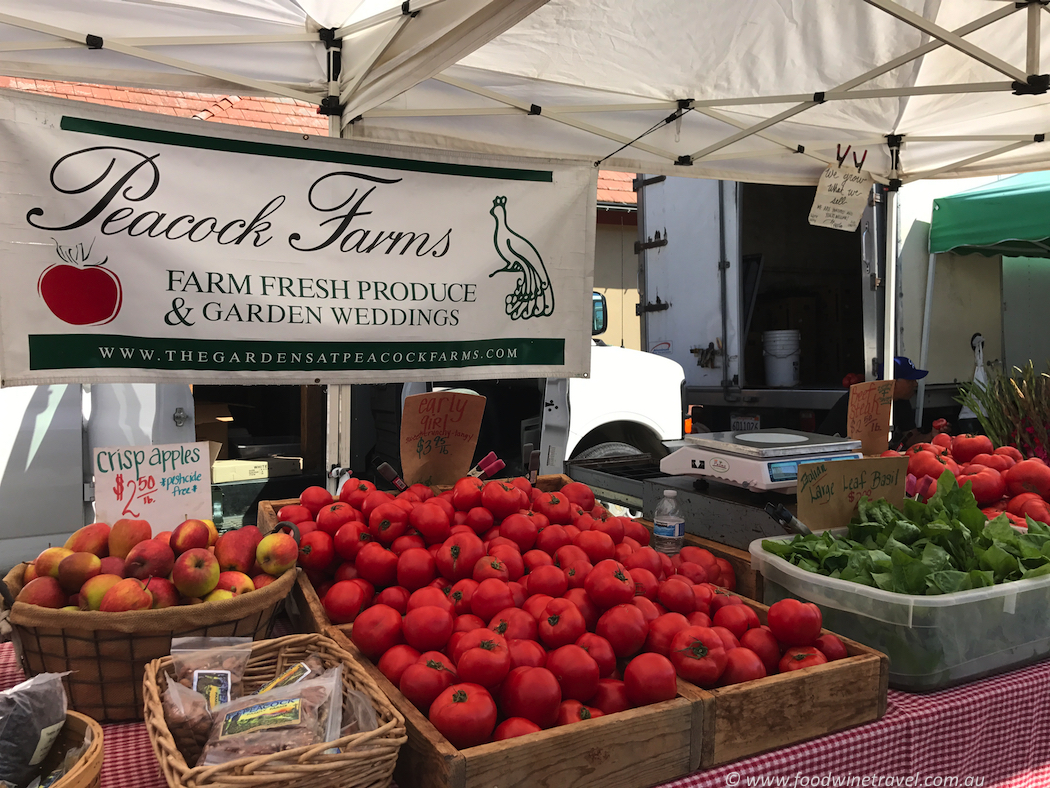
(755, 459)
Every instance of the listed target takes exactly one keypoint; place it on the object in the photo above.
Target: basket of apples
(111, 599)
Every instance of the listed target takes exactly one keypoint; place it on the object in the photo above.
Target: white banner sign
(841, 197)
(161, 484)
(152, 249)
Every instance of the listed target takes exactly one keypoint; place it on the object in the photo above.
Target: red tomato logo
(78, 292)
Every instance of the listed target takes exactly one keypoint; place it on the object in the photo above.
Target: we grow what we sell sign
(156, 249)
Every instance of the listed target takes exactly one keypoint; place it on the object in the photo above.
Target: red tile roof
(275, 113)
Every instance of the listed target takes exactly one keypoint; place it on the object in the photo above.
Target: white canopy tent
(766, 91)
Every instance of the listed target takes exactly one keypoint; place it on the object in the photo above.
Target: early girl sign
(161, 249)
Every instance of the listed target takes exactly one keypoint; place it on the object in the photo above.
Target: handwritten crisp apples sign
(159, 250)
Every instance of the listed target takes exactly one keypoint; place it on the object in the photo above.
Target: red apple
(93, 590)
(47, 562)
(164, 592)
(263, 580)
(43, 592)
(189, 535)
(236, 582)
(164, 537)
(235, 550)
(77, 569)
(149, 559)
(81, 296)
(128, 594)
(111, 565)
(92, 538)
(277, 553)
(30, 574)
(125, 534)
(218, 595)
(195, 573)
(213, 532)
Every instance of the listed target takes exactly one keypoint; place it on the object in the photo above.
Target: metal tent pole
(924, 349)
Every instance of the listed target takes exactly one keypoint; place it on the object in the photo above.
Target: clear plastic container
(668, 525)
(933, 642)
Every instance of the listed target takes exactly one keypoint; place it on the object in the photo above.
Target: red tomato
(490, 597)
(1029, 476)
(465, 714)
(662, 631)
(511, 557)
(966, 447)
(738, 619)
(461, 595)
(387, 522)
(719, 600)
(466, 622)
(625, 628)
(799, 657)
(794, 623)
(645, 583)
(831, 647)
(576, 573)
(609, 584)
(728, 574)
(422, 682)
(698, 619)
(535, 558)
(576, 670)
(571, 711)
(635, 530)
(512, 727)
(354, 491)
(582, 600)
(611, 696)
(646, 558)
(377, 565)
(427, 628)
(694, 572)
(742, 664)
(500, 498)
(555, 507)
(432, 522)
(704, 594)
(677, 596)
(532, 693)
(294, 513)
(316, 551)
(1010, 452)
(345, 601)
(526, 652)
(536, 605)
(444, 502)
(601, 652)
(561, 624)
(567, 555)
(650, 678)
(698, 655)
(315, 499)
(334, 516)
(408, 542)
(395, 597)
(490, 567)
(520, 529)
(548, 580)
(376, 630)
(762, 642)
(345, 571)
(486, 663)
(458, 555)
(372, 500)
(393, 663)
(650, 610)
(466, 493)
(514, 623)
(597, 545)
(479, 520)
(579, 494)
(552, 537)
(999, 462)
(415, 568)
(729, 640)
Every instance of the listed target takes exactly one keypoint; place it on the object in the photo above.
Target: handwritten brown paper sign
(829, 490)
(439, 432)
(868, 418)
(842, 195)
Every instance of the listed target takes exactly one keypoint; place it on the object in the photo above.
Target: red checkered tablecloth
(994, 732)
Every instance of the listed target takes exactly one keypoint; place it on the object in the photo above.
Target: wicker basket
(366, 759)
(87, 772)
(108, 652)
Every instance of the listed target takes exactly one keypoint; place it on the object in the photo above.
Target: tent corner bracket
(330, 106)
(684, 161)
(1037, 85)
(93, 42)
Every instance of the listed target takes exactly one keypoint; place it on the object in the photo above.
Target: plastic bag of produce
(214, 667)
(299, 715)
(31, 717)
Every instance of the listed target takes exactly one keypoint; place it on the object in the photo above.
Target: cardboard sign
(868, 417)
(439, 431)
(162, 484)
(829, 491)
(842, 195)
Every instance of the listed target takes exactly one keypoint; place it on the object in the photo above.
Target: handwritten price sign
(162, 484)
(829, 491)
(868, 417)
(439, 432)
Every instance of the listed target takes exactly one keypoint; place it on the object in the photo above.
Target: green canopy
(1010, 217)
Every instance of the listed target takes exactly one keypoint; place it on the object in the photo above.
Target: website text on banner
(177, 252)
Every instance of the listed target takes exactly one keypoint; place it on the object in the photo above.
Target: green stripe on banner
(101, 351)
(185, 140)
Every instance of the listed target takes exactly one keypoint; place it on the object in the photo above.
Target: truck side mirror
(599, 314)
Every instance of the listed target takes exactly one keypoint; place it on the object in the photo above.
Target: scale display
(756, 459)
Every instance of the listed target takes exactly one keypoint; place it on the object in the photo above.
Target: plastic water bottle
(668, 525)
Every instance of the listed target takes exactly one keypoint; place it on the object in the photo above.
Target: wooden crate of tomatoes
(496, 613)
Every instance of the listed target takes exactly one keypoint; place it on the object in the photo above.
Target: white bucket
(780, 349)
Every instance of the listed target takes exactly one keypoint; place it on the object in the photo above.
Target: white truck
(722, 262)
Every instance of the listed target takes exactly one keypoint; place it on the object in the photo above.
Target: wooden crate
(787, 708)
(631, 749)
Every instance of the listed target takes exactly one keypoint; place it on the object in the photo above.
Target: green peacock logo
(533, 295)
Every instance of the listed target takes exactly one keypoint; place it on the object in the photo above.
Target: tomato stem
(459, 696)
